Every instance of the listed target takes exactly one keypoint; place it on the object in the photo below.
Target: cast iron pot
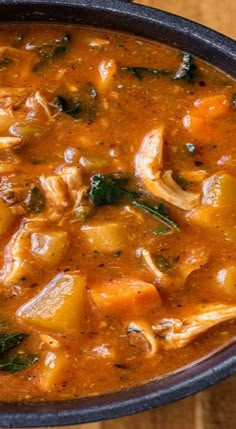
(221, 52)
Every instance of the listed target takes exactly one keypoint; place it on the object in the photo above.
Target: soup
(117, 211)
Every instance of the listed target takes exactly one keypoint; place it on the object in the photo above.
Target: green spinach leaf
(10, 341)
(112, 188)
(81, 104)
(138, 71)
(18, 362)
(186, 69)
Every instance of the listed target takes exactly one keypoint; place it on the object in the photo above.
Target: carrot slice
(124, 298)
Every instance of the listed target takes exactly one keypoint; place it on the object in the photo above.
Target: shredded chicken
(194, 175)
(33, 102)
(148, 166)
(161, 278)
(62, 190)
(10, 143)
(11, 97)
(18, 267)
(55, 190)
(72, 176)
(143, 329)
(192, 260)
(179, 332)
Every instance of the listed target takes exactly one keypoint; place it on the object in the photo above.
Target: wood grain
(216, 14)
(216, 407)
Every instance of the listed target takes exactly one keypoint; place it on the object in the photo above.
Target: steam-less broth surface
(117, 211)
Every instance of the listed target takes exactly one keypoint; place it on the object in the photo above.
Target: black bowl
(220, 52)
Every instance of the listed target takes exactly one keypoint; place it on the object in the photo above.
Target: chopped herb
(186, 69)
(51, 50)
(107, 188)
(234, 101)
(163, 264)
(191, 148)
(161, 231)
(4, 62)
(35, 200)
(18, 362)
(111, 189)
(81, 104)
(10, 341)
(138, 71)
(155, 211)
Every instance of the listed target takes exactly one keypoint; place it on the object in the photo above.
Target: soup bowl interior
(219, 51)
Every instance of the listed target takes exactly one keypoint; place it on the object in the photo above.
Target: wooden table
(216, 407)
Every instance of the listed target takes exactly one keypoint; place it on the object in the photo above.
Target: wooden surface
(216, 407)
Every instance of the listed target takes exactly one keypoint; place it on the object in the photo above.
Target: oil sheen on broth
(117, 211)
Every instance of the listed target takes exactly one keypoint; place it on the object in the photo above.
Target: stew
(117, 211)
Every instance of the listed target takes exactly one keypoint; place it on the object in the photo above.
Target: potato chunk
(59, 306)
(107, 69)
(53, 369)
(217, 213)
(6, 217)
(49, 247)
(105, 238)
(226, 280)
(124, 298)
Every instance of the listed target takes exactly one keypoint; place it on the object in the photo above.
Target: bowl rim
(220, 51)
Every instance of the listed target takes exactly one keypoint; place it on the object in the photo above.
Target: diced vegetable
(217, 213)
(201, 120)
(52, 371)
(220, 191)
(107, 237)
(126, 298)
(106, 69)
(92, 163)
(226, 280)
(59, 307)
(6, 217)
(50, 246)
(212, 107)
